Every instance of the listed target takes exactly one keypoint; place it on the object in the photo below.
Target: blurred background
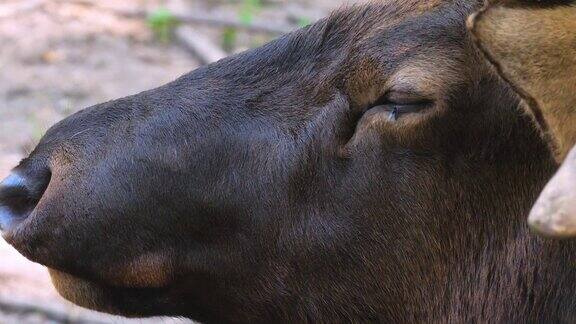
(59, 56)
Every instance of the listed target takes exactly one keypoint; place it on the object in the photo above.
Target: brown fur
(275, 186)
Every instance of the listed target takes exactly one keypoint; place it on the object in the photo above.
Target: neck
(505, 273)
(519, 279)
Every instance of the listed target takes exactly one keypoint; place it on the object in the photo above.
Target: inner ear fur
(532, 44)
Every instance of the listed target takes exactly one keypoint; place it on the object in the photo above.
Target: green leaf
(229, 37)
(304, 21)
(162, 22)
(249, 9)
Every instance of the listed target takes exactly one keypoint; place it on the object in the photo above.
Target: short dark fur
(257, 190)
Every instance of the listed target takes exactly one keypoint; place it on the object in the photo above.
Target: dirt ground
(60, 56)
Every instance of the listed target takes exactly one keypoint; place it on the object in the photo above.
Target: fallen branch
(203, 19)
(267, 28)
(199, 45)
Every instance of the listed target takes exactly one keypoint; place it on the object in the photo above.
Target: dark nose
(18, 198)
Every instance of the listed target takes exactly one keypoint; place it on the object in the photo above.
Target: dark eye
(401, 103)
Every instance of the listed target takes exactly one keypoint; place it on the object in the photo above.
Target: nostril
(8, 218)
(13, 180)
(18, 198)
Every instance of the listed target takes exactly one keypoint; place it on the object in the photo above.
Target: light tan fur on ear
(533, 47)
(535, 50)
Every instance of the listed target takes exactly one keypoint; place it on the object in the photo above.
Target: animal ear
(532, 44)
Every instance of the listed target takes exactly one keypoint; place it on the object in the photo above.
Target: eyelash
(398, 109)
(393, 114)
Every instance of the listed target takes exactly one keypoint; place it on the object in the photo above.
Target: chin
(127, 302)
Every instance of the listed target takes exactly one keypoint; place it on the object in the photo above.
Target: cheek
(150, 270)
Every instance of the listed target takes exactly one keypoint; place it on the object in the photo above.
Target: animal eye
(401, 103)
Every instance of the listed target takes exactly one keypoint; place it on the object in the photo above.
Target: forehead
(356, 47)
(421, 45)
(357, 22)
